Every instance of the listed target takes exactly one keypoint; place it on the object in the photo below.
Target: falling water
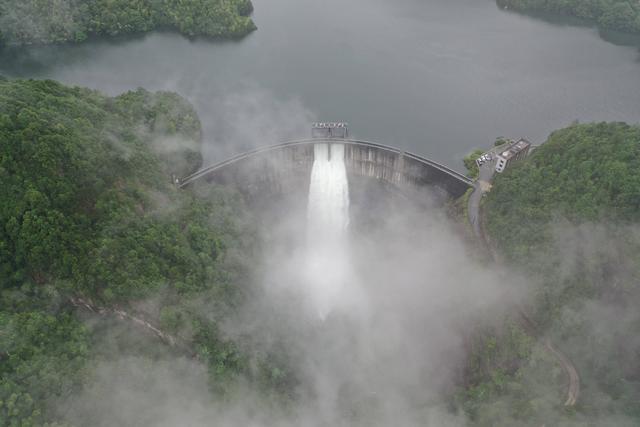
(328, 219)
(328, 210)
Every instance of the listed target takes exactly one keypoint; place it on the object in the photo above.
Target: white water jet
(328, 209)
(328, 266)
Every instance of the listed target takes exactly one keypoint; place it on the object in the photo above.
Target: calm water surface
(436, 77)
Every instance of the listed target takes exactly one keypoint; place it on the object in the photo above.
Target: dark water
(436, 77)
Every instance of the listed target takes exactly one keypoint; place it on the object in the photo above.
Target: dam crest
(284, 167)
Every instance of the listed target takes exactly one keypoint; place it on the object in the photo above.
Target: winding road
(170, 340)
(476, 220)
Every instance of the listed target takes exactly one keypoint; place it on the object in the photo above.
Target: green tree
(620, 15)
(42, 358)
(470, 163)
(56, 21)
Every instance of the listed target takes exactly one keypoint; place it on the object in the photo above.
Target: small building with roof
(330, 130)
(515, 151)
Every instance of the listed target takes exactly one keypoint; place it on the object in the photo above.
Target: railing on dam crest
(362, 158)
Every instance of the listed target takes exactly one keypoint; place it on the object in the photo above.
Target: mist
(248, 118)
(385, 346)
(363, 305)
(379, 328)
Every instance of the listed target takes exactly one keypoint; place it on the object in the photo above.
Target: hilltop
(43, 22)
(91, 224)
(568, 217)
(618, 15)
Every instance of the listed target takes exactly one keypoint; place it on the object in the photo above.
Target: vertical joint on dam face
(399, 173)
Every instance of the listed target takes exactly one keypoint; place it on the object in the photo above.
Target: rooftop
(515, 148)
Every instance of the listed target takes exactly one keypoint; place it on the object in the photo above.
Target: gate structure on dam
(287, 166)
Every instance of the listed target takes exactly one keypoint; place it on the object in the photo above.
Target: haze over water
(436, 77)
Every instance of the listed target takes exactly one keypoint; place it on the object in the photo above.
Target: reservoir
(434, 77)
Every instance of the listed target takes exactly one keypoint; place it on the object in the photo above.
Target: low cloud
(250, 118)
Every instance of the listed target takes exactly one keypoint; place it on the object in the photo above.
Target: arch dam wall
(286, 168)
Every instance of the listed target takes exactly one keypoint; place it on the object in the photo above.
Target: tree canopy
(88, 210)
(56, 21)
(584, 173)
(81, 175)
(619, 15)
(568, 217)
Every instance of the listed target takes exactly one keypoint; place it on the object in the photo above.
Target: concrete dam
(286, 168)
(316, 198)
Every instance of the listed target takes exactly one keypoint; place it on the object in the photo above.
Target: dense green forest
(619, 15)
(584, 173)
(49, 21)
(568, 217)
(90, 223)
(88, 213)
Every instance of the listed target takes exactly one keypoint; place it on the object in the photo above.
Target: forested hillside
(584, 173)
(569, 218)
(619, 15)
(89, 218)
(49, 21)
(102, 259)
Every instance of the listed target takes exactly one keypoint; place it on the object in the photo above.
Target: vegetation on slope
(49, 21)
(470, 163)
(568, 216)
(585, 173)
(619, 15)
(79, 179)
(87, 210)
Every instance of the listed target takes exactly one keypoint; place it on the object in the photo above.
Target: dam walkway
(291, 162)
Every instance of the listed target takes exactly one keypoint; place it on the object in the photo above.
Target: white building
(514, 151)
